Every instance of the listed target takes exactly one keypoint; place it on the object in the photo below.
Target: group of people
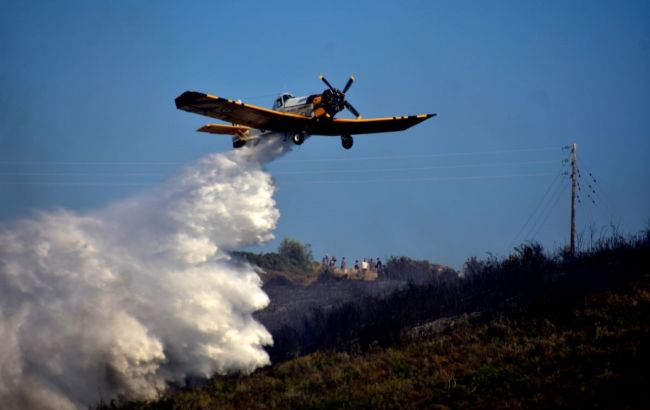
(329, 263)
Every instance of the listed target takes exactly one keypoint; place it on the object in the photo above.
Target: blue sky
(87, 114)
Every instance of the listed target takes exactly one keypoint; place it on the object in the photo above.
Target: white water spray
(126, 299)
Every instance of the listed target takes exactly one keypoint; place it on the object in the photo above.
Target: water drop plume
(124, 300)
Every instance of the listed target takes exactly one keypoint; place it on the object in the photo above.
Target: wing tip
(186, 98)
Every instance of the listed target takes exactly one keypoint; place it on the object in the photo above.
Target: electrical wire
(307, 182)
(70, 174)
(549, 209)
(537, 208)
(284, 160)
(301, 172)
(448, 154)
(423, 179)
(410, 169)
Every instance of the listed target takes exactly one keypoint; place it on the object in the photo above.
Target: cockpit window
(281, 100)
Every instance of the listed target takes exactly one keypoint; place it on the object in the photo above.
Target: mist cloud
(126, 299)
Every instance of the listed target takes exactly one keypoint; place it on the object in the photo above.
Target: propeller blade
(352, 109)
(323, 79)
(348, 84)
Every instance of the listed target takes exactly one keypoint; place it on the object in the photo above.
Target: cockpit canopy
(279, 102)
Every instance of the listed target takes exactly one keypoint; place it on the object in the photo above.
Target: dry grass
(589, 354)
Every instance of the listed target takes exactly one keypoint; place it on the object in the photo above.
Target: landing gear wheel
(298, 138)
(347, 141)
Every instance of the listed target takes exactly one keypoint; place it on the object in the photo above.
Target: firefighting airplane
(294, 117)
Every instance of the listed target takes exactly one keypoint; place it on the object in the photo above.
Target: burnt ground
(291, 304)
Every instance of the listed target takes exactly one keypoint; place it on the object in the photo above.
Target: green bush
(292, 260)
(296, 253)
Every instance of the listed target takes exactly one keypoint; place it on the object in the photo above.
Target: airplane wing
(265, 119)
(239, 113)
(345, 126)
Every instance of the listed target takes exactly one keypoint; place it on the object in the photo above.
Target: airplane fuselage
(309, 106)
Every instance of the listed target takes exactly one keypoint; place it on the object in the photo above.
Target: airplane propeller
(334, 99)
(348, 84)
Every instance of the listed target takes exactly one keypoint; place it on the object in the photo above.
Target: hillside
(594, 353)
(529, 331)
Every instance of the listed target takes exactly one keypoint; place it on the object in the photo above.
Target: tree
(297, 253)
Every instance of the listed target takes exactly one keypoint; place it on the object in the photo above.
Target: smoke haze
(142, 293)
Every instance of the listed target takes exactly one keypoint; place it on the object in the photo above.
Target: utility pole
(574, 182)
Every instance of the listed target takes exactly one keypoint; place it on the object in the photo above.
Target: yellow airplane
(293, 117)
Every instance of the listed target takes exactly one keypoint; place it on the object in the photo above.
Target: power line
(283, 160)
(548, 210)
(542, 211)
(600, 193)
(69, 174)
(387, 180)
(301, 172)
(75, 183)
(545, 205)
(92, 163)
(429, 168)
(537, 208)
(423, 179)
(448, 154)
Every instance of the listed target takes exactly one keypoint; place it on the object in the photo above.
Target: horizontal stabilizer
(240, 131)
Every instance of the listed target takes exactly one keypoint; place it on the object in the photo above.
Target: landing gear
(347, 141)
(298, 138)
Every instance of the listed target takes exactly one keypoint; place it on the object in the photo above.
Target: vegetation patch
(577, 339)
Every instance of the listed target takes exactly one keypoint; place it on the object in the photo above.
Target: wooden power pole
(574, 183)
